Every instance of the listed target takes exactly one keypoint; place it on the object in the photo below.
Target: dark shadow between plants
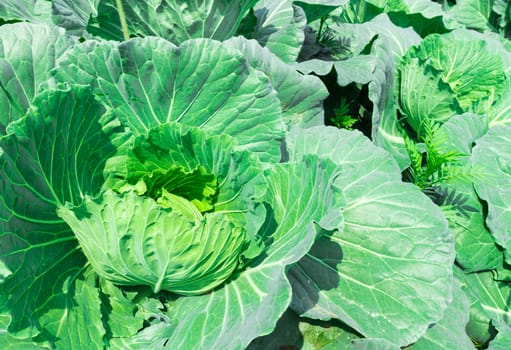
(285, 336)
(315, 272)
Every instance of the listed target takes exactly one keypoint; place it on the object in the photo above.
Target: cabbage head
(176, 220)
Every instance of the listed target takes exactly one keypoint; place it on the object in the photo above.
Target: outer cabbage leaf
(37, 11)
(500, 113)
(449, 333)
(475, 246)
(361, 275)
(501, 8)
(74, 15)
(492, 155)
(372, 344)
(293, 331)
(397, 39)
(74, 317)
(315, 9)
(472, 14)
(424, 16)
(503, 339)
(201, 83)
(386, 130)
(176, 21)
(303, 201)
(301, 96)
(125, 311)
(9, 342)
(316, 66)
(489, 303)
(426, 8)
(54, 155)
(279, 27)
(27, 54)
(495, 44)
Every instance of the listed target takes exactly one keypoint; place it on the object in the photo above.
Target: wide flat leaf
(397, 39)
(153, 337)
(386, 130)
(495, 43)
(475, 246)
(27, 54)
(122, 315)
(294, 332)
(449, 333)
(74, 15)
(280, 27)
(316, 66)
(301, 96)
(472, 14)
(389, 274)
(424, 16)
(250, 304)
(75, 316)
(315, 9)
(424, 7)
(54, 155)
(37, 11)
(489, 303)
(10, 342)
(174, 20)
(500, 113)
(501, 8)
(492, 155)
(503, 339)
(44, 158)
(201, 83)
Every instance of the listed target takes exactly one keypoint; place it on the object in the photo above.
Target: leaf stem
(122, 18)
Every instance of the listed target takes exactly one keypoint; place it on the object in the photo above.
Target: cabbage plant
(429, 82)
(179, 189)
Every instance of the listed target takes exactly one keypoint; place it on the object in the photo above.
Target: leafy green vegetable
(167, 180)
